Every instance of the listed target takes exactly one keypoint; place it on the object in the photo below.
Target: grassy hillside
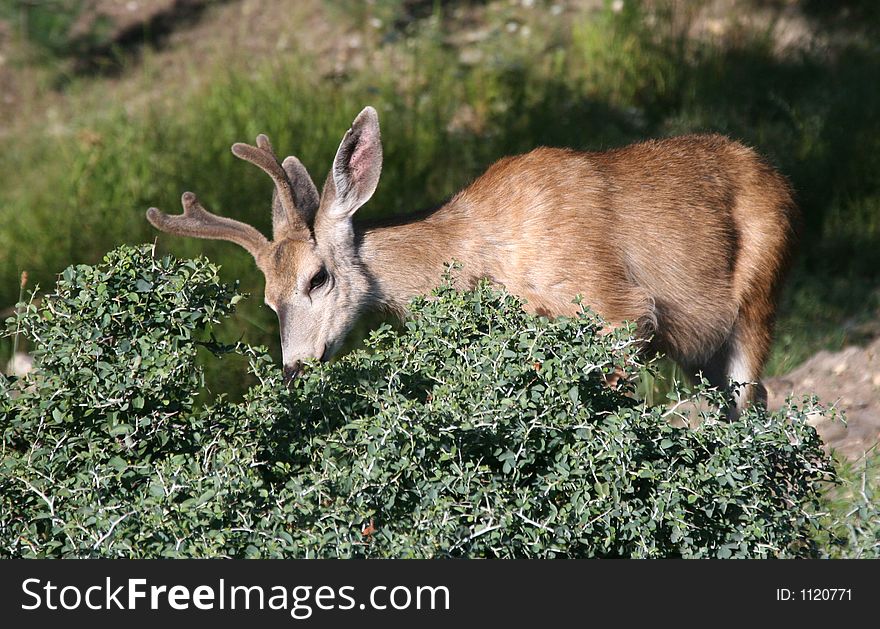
(457, 85)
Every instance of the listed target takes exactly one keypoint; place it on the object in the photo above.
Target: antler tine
(264, 157)
(264, 144)
(198, 222)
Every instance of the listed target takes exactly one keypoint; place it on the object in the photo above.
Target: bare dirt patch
(850, 381)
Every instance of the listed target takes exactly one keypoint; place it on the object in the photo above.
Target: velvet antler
(198, 222)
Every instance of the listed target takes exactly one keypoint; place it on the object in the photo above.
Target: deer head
(314, 281)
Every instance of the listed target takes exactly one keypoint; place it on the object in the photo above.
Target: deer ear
(357, 165)
(305, 196)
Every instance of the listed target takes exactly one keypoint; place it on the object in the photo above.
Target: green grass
(610, 79)
(852, 512)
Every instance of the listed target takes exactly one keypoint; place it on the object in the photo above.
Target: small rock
(470, 56)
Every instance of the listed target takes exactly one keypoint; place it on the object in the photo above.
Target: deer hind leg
(737, 365)
(750, 347)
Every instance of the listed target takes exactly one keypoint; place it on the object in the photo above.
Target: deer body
(687, 236)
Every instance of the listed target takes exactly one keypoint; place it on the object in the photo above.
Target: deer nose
(292, 370)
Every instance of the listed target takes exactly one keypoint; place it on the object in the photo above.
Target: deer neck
(408, 259)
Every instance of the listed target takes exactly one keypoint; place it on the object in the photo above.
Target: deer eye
(318, 280)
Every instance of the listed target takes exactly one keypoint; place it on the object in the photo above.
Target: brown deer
(686, 236)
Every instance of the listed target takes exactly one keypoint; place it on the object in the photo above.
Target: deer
(687, 237)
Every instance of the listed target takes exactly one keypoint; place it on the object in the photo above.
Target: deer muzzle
(292, 371)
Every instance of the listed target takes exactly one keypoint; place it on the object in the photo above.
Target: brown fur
(687, 236)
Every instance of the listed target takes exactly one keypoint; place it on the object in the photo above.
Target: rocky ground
(848, 380)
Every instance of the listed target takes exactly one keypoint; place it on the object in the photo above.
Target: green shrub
(851, 524)
(478, 430)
